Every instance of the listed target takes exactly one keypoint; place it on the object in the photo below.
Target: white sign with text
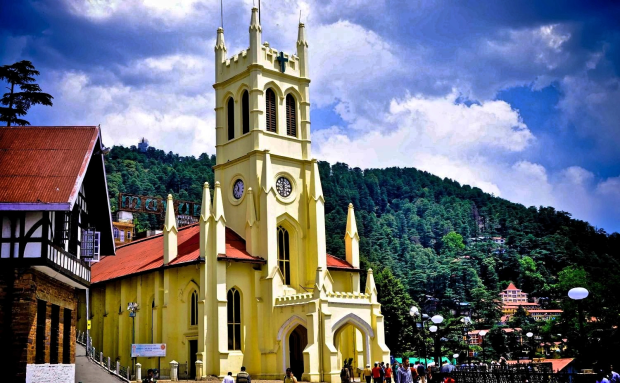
(50, 373)
(148, 350)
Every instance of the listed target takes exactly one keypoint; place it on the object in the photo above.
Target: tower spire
(170, 232)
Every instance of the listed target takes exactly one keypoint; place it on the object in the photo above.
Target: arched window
(245, 106)
(270, 110)
(284, 259)
(234, 319)
(231, 118)
(193, 315)
(291, 116)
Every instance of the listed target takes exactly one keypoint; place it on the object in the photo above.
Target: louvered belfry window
(245, 104)
(231, 118)
(270, 110)
(291, 117)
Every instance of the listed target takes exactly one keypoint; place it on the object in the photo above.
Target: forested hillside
(417, 232)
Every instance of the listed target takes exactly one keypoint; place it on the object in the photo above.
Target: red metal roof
(338, 263)
(557, 364)
(148, 254)
(44, 164)
(511, 286)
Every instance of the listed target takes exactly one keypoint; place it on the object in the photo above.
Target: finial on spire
(254, 21)
(301, 33)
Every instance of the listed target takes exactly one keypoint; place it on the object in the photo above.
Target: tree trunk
(8, 123)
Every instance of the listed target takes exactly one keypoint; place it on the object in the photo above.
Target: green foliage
(17, 101)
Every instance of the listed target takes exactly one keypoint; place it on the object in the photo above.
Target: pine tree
(16, 104)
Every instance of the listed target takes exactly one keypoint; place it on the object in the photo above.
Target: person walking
(421, 372)
(228, 378)
(376, 373)
(382, 372)
(395, 371)
(404, 372)
(614, 377)
(289, 377)
(367, 373)
(345, 376)
(150, 377)
(388, 374)
(243, 376)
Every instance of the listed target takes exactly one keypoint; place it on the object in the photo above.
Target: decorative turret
(255, 36)
(371, 289)
(170, 232)
(219, 220)
(205, 221)
(352, 239)
(220, 53)
(302, 51)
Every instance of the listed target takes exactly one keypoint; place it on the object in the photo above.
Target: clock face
(283, 187)
(238, 189)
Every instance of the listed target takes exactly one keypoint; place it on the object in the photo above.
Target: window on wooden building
(40, 334)
(66, 336)
(270, 110)
(231, 118)
(54, 334)
(234, 319)
(284, 257)
(245, 108)
(291, 116)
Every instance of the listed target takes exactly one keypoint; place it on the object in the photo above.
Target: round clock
(238, 189)
(284, 187)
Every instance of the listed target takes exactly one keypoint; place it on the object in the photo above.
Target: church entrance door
(298, 340)
(193, 349)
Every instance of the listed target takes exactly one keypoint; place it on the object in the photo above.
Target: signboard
(155, 205)
(50, 373)
(147, 350)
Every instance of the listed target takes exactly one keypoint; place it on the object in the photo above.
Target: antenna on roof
(300, 16)
(259, 12)
(222, 13)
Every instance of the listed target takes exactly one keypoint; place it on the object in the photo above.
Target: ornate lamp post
(529, 336)
(466, 322)
(577, 294)
(132, 307)
(437, 319)
(482, 334)
(415, 314)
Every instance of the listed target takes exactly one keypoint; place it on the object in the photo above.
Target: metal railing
(106, 362)
(512, 376)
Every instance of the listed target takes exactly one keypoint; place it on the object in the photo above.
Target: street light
(132, 307)
(456, 358)
(437, 319)
(415, 313)
(530, 335)
(466, 322)
(482, 333)
(578, 294)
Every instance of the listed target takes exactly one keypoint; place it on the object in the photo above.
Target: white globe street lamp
(578, 293)
(529, 334)
(414, 312)
(433, 329)
(482, 333)
(437, 319)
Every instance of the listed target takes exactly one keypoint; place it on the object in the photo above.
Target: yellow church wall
(342, 280)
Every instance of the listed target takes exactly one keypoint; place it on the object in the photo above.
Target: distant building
(55, 214)
(513, 298)
(143, 145)
(123, 228)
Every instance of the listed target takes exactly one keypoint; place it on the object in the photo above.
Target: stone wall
(20, 326)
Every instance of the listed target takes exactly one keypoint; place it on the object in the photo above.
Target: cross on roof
(283, 60)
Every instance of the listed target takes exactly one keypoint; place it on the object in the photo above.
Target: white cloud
(146, 11)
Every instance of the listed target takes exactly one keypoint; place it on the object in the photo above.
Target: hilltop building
(123, 228)
(55, 214)
(251, 284)
(513, 298)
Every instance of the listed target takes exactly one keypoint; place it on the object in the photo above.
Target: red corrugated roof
(511, 286)
(338, 263)
(44, 164)
(556, 364)
(148, 254)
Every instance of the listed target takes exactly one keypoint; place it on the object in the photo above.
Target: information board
(50, 373)
(147, 350)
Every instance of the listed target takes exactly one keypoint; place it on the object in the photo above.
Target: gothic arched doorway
(297, 342)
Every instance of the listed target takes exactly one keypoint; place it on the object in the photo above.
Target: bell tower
(270, 185)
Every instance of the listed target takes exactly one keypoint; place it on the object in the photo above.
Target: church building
(251, 284)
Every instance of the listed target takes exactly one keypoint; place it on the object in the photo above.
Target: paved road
(88, 372)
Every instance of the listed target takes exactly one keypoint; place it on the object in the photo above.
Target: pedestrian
(600, 377)
(150, 376)
(243, 376)
(447, 367)
(228, 378)
(614, 377)
(376, 373)
(421, 372)
(382, 372)
(289, 377)
(345, 376)
(395, 371)
(367, 373)
(388, 374)
(404, 372)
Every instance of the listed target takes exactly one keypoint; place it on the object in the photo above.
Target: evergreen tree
(16, 103)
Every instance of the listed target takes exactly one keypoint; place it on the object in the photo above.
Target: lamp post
(437, 319)
(482, 334)
(577, 294)
(456, 358)
(466, 322)
(529, 336)
(415, 314)
(132, 307)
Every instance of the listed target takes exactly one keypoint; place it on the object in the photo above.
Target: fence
(111, 365)
(514, 376)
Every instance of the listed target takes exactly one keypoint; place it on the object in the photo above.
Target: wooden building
(54, 214)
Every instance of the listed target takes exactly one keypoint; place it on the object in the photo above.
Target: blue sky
(518, 98)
